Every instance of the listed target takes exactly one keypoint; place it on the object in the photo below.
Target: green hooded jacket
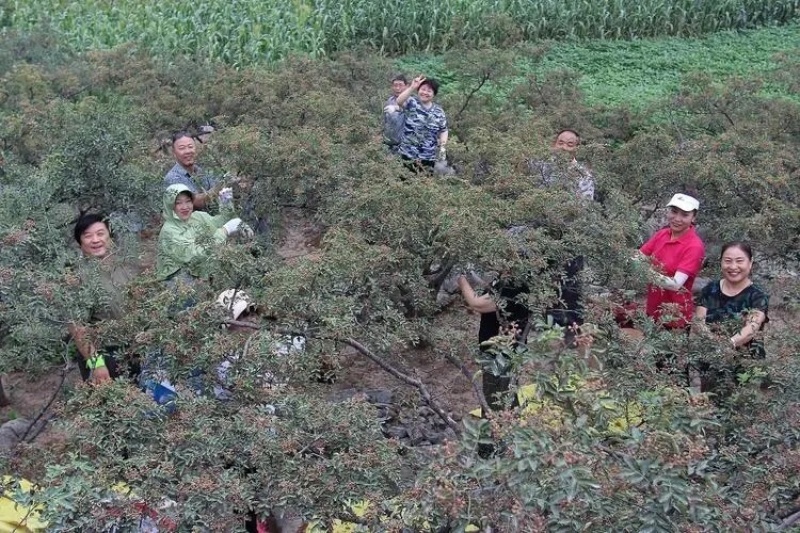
(184, 244)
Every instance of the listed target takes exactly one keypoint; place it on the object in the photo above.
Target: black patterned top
(727, 314)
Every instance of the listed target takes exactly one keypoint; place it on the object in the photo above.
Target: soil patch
(301, 235)
(447, 384)
(29, 394)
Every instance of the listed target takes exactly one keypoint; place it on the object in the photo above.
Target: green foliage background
(82, 130)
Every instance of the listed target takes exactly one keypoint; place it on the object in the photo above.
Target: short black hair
(743, 246)
(432, 83)
(400, 77)
(180, 134)
(84, 221)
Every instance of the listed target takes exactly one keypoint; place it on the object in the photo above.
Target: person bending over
(513, 314)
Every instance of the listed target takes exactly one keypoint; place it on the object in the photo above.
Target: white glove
(232, 226)
(225, 196)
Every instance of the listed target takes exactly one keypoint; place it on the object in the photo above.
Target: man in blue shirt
(187, 172)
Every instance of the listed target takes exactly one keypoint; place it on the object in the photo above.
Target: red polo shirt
(684, 254)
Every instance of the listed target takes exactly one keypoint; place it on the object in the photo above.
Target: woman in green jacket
(185, 237)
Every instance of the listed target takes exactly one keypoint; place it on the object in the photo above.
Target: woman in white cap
(676, 255)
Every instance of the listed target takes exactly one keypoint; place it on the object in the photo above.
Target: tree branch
(247, 345)
(44, 410)
(414, 382)
(484, 79)
(789, 520)
(475, 388)
(402, 376)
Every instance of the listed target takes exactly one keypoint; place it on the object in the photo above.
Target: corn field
(242, 32)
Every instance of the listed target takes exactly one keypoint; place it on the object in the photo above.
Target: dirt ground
(29, 395)
(447, 384)
(301, 238)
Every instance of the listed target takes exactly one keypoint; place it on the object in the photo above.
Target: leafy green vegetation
(81, 131)
(637, 72)
(249, 31)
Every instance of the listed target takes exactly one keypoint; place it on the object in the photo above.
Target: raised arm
(479, 304)
(403, 97)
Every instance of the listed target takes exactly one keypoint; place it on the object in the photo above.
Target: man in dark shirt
(511, 314)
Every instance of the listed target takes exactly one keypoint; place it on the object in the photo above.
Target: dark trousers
(495, 389)
(569, 309)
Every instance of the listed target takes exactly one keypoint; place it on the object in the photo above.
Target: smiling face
(736, 265)
(184, 207)
(680, 221)
(566, 142)
(96, 240)
(425, 93)
(184, 151)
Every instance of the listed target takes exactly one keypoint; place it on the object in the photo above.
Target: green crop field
(640, 71)
(243, 32)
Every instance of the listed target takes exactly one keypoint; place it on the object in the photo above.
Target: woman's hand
(416, 82)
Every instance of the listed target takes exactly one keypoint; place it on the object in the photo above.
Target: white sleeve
(674, 283)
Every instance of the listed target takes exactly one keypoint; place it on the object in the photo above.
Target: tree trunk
(4, 401)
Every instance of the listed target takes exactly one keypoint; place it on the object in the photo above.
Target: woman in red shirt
(676, 255)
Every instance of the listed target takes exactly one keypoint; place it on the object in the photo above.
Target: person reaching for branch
(676, 255)
(734, 308)
(187, 172)
(731, 311)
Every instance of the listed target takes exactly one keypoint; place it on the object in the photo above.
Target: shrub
(305, 135)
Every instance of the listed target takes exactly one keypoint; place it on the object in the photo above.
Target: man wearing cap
(676, 255)
(187, 172)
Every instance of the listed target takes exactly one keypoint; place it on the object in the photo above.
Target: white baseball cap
(235, 302)
(684, 202)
